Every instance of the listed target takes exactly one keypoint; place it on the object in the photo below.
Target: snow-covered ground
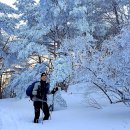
(18, 114)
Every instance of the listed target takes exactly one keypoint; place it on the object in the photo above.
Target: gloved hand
(54, 90)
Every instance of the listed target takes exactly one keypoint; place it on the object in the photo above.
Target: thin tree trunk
(1, 87)
(116, 12)
(39, 59)
(55, 50)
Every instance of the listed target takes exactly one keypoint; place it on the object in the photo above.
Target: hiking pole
(53, 103)
(52, 106)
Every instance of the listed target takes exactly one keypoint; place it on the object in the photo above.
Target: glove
(54, 90)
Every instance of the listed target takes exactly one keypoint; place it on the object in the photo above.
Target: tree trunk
(117, 20)
(1, 87)
(116, 14)
(39, 59)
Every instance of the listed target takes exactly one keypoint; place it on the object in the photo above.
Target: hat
(43, 74)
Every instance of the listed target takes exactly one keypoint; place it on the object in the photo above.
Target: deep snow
(16, 114)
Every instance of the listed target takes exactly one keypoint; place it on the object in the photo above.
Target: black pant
(44, 107)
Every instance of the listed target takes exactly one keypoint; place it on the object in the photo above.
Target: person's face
(43, 78)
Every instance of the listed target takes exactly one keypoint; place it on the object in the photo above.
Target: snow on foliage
(7, 21)
(90, 47)
(20, 81)
(6, 9)
(62, 70)
(26, 49)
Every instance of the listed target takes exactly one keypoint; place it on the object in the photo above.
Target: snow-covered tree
(28, 11)
(28, 42)
(7, 19)
(62, 70)
(72, 34)
(7, 26)
(62, 19)
(114, 74)
(105, 17)
(28, 34)
(20, 81)
(107, 69)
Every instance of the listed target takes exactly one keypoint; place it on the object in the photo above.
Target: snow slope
(18, 114)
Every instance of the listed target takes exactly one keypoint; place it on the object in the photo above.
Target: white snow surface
(16, 114)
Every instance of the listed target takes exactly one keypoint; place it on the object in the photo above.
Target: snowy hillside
(18, 114)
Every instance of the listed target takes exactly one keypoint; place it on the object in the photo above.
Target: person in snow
(40, 91)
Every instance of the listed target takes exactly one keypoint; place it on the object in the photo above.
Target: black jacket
(41, 89)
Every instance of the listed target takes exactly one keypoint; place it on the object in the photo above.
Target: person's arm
(54, 90)
(34, 92)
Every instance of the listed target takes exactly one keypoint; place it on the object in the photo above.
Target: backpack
(30, 89)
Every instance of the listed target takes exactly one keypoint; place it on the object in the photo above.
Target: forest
(73, 41)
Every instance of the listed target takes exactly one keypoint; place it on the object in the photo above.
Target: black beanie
(43, 74)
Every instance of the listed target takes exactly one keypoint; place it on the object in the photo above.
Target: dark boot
(46, 117)
(35, 120)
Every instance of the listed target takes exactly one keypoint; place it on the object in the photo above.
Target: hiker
(40, 91)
